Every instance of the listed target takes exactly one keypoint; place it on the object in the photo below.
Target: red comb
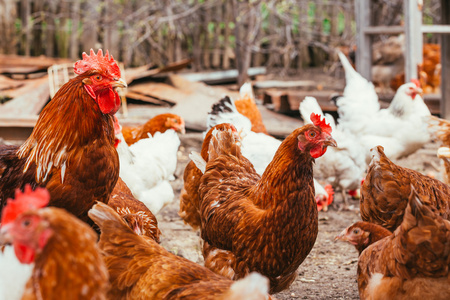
(416, 82)
(315, 118)
(23, 202)
(106, 64)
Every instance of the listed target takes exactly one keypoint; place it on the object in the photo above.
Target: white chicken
(13, 275)
(148, 165)
(343, 166)
(258, 148)
(401, 128)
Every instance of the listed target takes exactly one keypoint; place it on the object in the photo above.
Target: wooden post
(363, 40)
(74, 46)
(413, 39)
(26, 27)
(445, 60)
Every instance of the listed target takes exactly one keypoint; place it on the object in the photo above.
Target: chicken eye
(312, 134)
(26, 223)
(98, 77)
(356, 230)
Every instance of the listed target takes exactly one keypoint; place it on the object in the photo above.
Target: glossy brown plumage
(412, 263)
(139, 268)
(386, 189)
(189, 198)
(70, 152)
(159, 123)
(265, 224)
(70, 266)
(134, 212)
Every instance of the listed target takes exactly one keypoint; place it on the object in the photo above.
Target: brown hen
(412, 263)
(363, 234)
(67, 262)
(265, 224)
(189, 198)
(134, 212)
(159, 123)
(71, 149)
(386, 189)
(139, 268)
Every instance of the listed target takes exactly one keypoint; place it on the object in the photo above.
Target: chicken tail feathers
(350, 72)
(308, 106)
(225, 111)
(101, 213)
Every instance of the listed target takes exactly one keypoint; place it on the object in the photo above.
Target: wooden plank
(266, 84)
(384, 29)
(160, 91)
(289, 101)
(221, 76)
(8, 84)
(29, 100)
(442, 29)
(31, 61)
(145, 98)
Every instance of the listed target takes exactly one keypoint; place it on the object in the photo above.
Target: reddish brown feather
(127, 206)
(70, 152)
(414, 261)
(266, 224)
(386, 189)
(141, 269)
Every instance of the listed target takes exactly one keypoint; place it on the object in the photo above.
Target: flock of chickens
(82, 222)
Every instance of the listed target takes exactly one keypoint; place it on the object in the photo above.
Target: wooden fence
(218, 34)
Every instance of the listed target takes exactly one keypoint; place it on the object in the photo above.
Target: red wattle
(109, 101)
(24, 254)
(318, 151)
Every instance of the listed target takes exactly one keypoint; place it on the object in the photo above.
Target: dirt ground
(329, 271)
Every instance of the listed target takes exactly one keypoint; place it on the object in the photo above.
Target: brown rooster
(134, 212)
(386, 189)
(71, 149)
(158, 123)
(363, 234)
(67, 262)
(413, 262)
(266, 224)
(189, 198)
(139, 268)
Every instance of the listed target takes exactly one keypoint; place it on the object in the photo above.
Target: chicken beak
(329, 141)
(342, 236)
(5, 237)
(119, 83)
